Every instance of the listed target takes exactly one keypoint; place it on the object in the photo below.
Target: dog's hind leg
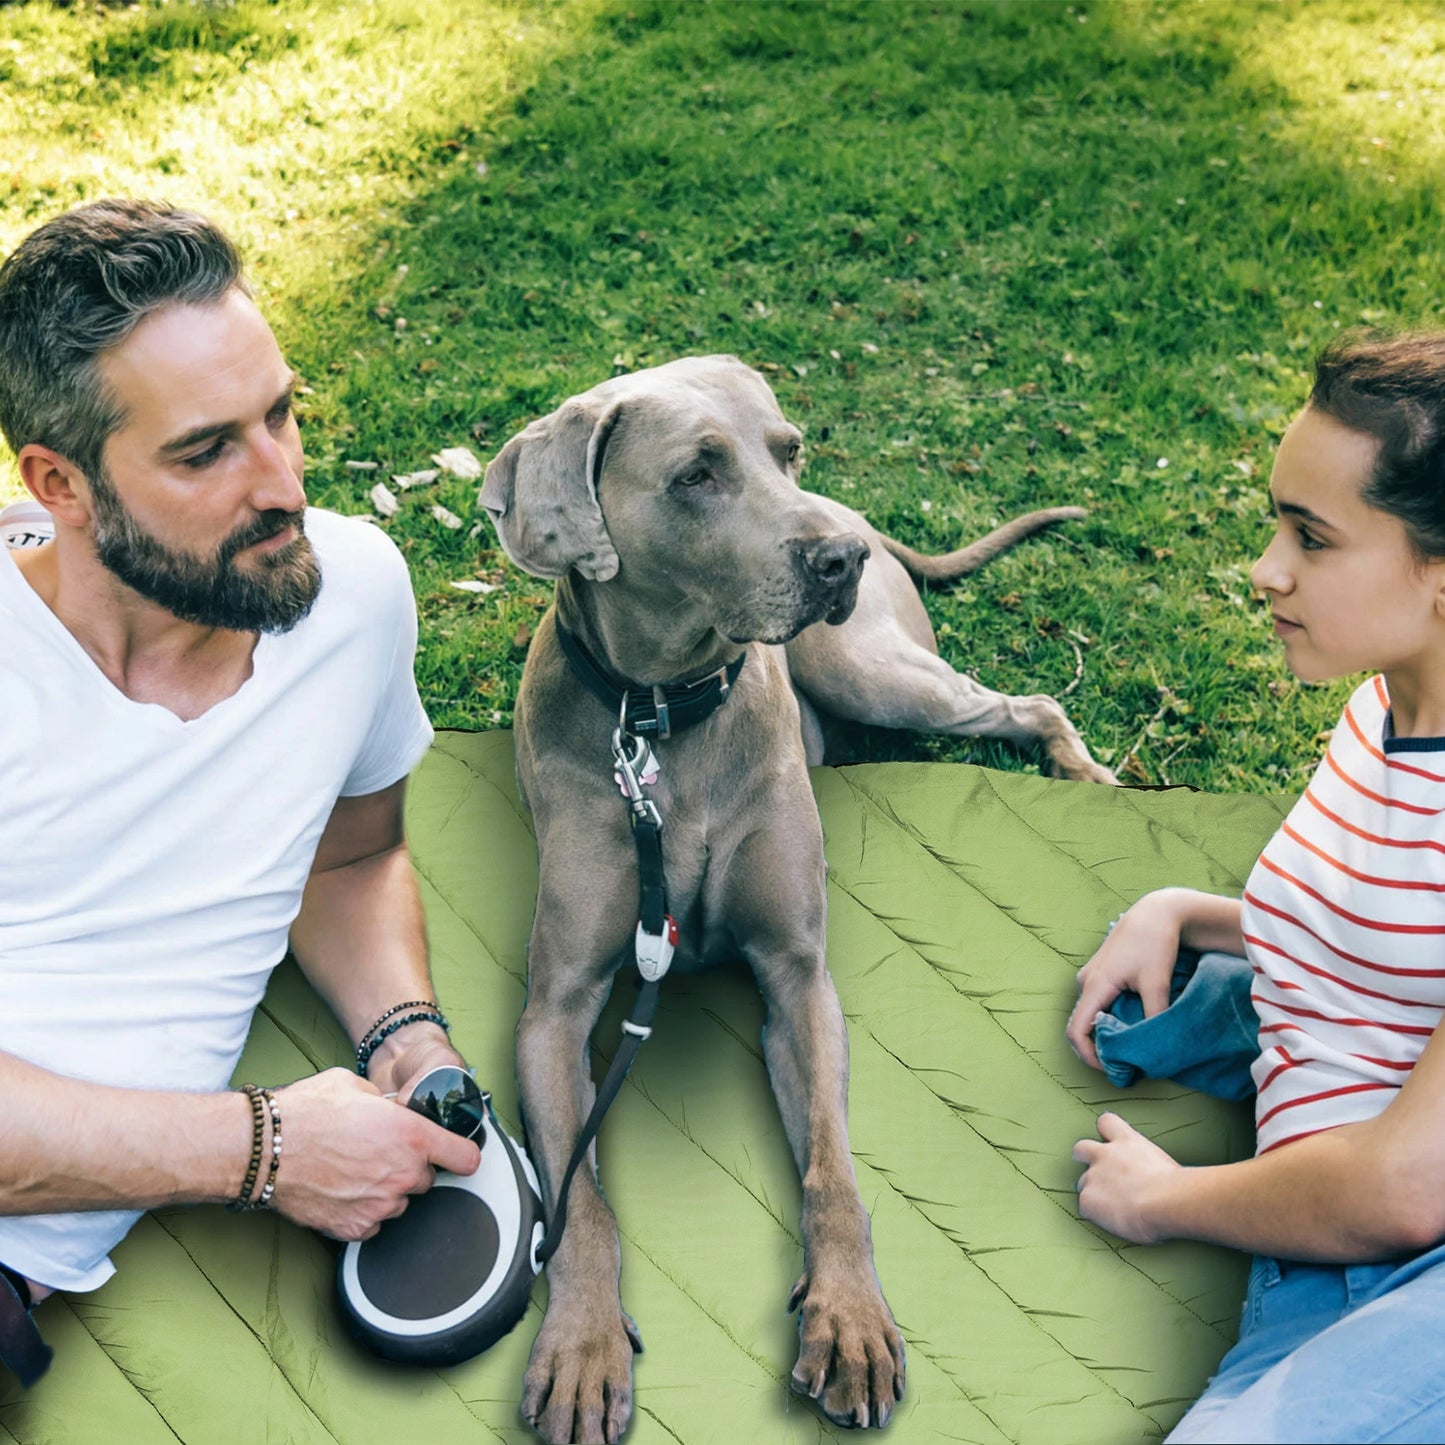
(919, 691)
(882, 667)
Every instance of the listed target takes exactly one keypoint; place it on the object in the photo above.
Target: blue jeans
(1206, 1039)
(1348, 1353)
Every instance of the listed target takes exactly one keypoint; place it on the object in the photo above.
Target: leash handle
(636, 1029)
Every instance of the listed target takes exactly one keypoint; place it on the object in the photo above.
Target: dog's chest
(733, 857)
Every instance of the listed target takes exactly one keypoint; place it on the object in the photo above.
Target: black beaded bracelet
(397, 1008)
(366, 1050)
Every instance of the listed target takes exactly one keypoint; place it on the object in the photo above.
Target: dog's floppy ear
(541, 491)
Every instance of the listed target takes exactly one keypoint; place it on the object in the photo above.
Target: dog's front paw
(850, 1358)
(578, 1385)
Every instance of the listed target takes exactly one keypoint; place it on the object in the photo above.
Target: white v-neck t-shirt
(150, 868)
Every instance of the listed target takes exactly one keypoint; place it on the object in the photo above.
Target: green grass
(991, 257)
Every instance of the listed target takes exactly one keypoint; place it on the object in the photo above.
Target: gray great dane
(667, 505)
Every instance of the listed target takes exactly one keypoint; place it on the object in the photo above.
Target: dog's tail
(953, 565)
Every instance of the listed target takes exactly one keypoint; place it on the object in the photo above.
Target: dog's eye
(694, 478)
(795, 450)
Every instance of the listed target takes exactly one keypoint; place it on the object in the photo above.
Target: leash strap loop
(652, 881)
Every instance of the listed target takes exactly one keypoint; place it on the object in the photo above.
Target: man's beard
(272, 596)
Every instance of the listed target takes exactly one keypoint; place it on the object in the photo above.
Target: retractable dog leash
(453, 1274)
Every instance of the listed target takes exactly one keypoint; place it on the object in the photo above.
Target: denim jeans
(1206, 1039)
(1346, 1353)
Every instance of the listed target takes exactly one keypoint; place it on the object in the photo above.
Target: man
(207, 716)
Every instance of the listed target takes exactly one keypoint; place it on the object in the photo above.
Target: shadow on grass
(954, 239)
(991, 256)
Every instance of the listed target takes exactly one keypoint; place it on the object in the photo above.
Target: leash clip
(654, 950)
(633, 770)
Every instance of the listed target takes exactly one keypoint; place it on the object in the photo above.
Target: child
(1343, 1204)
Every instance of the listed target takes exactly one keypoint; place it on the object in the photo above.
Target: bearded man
(207, 717)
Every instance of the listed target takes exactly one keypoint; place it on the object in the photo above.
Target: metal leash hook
(633, 769)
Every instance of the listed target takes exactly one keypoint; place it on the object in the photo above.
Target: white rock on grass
(469, 586)
(407, 480)
(459, 462)
(446, 518)
(384, 500)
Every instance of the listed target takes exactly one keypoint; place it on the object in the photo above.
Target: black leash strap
(647, 839)
(635, 1031)
(22, 1351)
(661, 711)
(654, 941)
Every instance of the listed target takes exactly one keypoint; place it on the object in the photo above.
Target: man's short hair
(77, 287)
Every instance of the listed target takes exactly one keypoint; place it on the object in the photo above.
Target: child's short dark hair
(77, 287)
(1392, 388)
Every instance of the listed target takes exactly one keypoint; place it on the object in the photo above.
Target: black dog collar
(658, 711)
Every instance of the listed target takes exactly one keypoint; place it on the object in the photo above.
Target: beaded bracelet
(269, 1188)
(258, 1135)
(263, 1102)
(395, 1009)
(366, 1050)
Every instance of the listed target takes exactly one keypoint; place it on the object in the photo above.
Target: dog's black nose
(834, 561)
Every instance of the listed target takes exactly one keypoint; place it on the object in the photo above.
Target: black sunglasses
(451, 1097)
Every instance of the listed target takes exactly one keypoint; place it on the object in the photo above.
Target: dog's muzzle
(830, 569)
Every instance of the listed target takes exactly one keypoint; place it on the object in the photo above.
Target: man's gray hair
(79, 286)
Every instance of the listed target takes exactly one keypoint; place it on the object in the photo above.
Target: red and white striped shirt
(1344, 924)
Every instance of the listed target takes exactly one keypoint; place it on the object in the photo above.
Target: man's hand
(1122, 1184)
(353, 1158)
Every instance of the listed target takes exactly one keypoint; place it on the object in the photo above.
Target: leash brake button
(655, 950)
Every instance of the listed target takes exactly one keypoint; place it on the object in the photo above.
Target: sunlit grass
(991, 256)
(301, 127)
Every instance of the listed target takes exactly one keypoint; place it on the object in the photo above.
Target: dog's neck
(638, 643)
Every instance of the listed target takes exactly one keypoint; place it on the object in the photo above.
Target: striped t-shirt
(1344, 924)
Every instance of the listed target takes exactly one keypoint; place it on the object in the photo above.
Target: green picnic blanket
(961, 901)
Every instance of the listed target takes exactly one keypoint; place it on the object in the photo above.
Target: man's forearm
(68, 1145)
(361, 940)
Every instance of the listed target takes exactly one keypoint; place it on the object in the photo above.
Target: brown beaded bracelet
(258, 1136)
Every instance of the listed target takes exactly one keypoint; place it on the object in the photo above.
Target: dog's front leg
(851, 1355)
(578, 1385)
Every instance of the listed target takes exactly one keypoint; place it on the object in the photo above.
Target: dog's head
(680, 482)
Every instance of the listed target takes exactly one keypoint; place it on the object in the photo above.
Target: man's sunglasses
(451, 1097)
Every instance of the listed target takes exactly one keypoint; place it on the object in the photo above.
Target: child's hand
(1122, 1180)
(1139, 955)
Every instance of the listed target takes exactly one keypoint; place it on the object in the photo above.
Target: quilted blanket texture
(961, 902)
